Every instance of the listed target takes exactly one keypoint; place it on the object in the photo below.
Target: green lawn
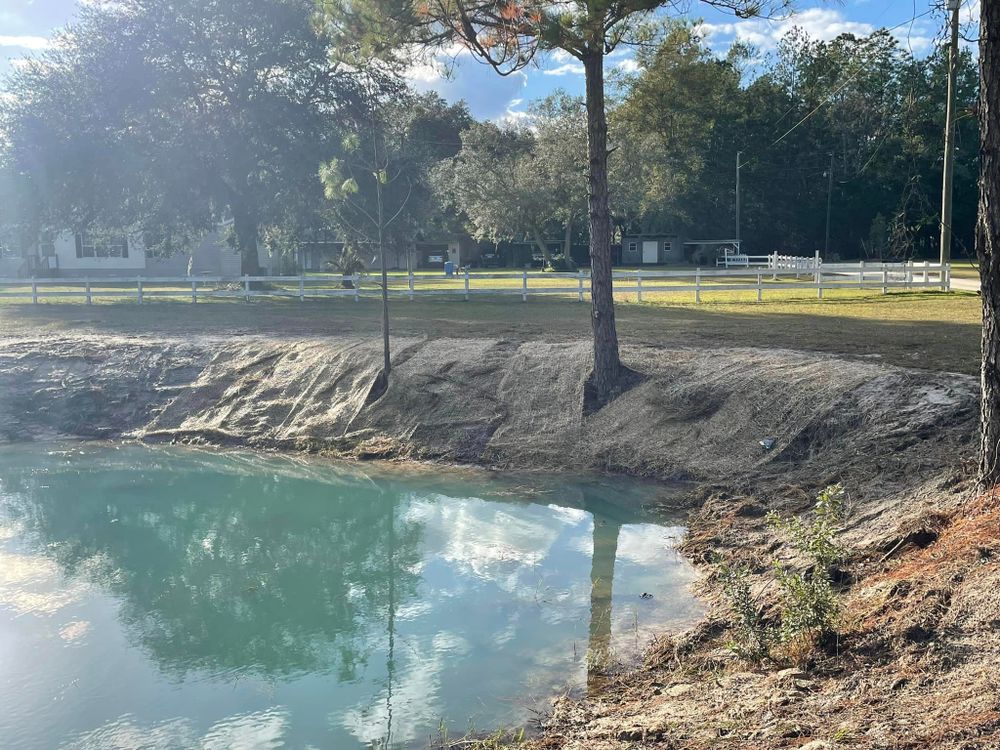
(931, 330)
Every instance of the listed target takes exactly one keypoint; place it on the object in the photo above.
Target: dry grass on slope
(915, 667)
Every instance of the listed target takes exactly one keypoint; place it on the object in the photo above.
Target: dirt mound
(699, 414)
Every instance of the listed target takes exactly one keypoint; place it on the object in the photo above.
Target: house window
(89, 245)
(633, 247)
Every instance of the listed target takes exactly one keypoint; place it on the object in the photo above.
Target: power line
(842, 86)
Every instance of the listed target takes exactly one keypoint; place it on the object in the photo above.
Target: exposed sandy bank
(699, 414)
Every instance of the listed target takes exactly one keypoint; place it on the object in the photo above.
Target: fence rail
(823, 277)
(774, 261)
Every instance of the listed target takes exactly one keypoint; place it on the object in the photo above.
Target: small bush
(809, 607)
(816, 540)
(808, 604)
(752, 636)
(349, 263)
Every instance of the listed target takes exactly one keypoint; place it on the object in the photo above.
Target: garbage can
(449, 268)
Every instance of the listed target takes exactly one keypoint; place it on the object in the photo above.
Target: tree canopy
(518, 180)
(160, 114)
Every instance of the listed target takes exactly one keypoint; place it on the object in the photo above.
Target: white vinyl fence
(732, 259)
(525, 284)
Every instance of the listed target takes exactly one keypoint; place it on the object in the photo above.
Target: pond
(176, 598)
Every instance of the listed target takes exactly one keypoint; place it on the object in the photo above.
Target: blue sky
(26, 25)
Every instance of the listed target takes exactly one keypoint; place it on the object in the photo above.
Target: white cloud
(570, 68)
(818, 23)
(628, 65)
(425, 73)
(26, 42)
(513, 117)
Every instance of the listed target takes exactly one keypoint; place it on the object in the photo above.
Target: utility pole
(738, 155)
(829, 203)
(949, 137)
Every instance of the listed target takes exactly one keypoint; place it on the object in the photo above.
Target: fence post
(356, 283)
(466, 283)
(579, 280)
(817, 265)
(34, 291)
(89, 298)
(909, 275)
(524, 286)
(138, 289)
(409, 283)
(246, 287)
(926, 266)
(302, 287)
(774, 265)
(885, 279)
(760, 287)
(947, 277)
(638, 286)
(194, 291)
(697, 285)
(861, 275)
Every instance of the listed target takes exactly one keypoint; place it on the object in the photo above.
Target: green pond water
(167, 598)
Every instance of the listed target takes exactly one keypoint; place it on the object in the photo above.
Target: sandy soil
(917, 657)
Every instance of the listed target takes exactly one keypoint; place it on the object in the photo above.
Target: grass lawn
(930, 330)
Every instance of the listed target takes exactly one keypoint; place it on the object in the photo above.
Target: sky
(27, 25)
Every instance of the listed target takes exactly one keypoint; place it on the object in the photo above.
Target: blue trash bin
(449, 268)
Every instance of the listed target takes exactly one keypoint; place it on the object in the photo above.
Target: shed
(652, 249)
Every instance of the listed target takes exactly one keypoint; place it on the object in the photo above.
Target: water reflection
(338, 604)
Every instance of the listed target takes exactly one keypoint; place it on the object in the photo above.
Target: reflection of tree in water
(245, 572)
(607, 522)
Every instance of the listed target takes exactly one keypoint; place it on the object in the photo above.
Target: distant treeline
(167, 123)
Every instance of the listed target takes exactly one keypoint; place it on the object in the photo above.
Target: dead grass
(914, 668)
(925, 330)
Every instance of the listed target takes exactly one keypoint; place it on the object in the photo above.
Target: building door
(650, 251)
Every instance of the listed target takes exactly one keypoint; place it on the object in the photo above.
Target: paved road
(966, 285)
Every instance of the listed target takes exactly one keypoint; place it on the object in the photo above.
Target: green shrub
(751, 635)
(808, 605)
(816, 539)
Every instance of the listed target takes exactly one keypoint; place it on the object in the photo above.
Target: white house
(108, 254)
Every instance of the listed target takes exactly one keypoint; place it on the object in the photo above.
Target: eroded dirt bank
(699, 414)
(917, 660)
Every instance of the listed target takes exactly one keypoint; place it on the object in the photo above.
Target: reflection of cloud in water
(254, 731)
(646, 544)
(486, 539)
(261, 730)
(34, 584)
(415, 692)
(569, 516)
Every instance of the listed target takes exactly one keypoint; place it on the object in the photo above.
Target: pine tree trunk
(245, 226)
(988, 239)
(604, 381)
